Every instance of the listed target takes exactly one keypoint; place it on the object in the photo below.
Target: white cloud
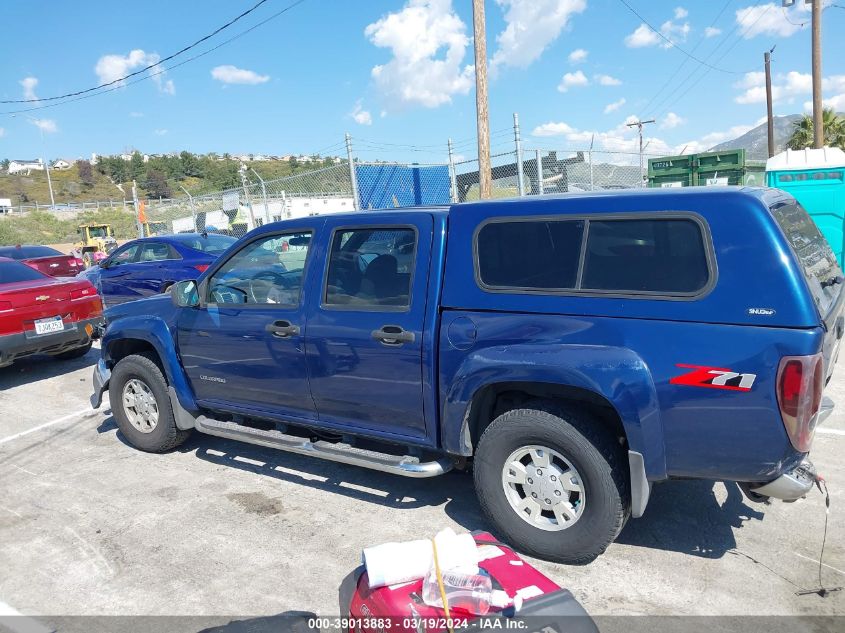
(613, 107)
(361, 116)
(136, 115)
(571, 80)
(28, 84)
(771, 19)
(420, 72)
(229, 74)
(712, 31)
(531, 25)
(786, 87)
(2, 132)
(110, 68)
(673, 30)
(607, 80)
(671, 121)
(160, 132)
(552, 129)
(641, 37)
(578, 56)
(623, 141)
(45, 125)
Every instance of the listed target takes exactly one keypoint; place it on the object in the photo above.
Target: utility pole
(263, 194)
(520, 182)
(245, 184)
(818, 124)
(639, 125)
(193, 208)
(485, 179)
(49, 182)
(767, 59)
(353, 177)
(453, 178)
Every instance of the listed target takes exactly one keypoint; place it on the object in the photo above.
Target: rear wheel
(141, 404)
(553, 481)
(76, 352)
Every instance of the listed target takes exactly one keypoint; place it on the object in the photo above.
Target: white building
(25, 166)
(62, 164)
(5, 205)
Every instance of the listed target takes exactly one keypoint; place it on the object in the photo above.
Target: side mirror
(185, 294)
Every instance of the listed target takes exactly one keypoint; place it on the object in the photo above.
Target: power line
(700, 76)
(674, 45)
(145, 69)
(163, 70)
(686, 59)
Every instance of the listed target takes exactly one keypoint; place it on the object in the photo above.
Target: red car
(45, 259)
(40, 314)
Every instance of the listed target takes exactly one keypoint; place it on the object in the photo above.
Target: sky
(398, 76)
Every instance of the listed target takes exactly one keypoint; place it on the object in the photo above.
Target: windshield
(28, 252)
(820, 267)
(11, 272)
(212, 244)
(97, 232)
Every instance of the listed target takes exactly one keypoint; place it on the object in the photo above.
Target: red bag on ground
(400, 608)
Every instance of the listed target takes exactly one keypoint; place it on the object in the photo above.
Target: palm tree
(834, 131)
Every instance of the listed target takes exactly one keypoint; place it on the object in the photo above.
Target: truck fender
(154, 331)
(617, 374)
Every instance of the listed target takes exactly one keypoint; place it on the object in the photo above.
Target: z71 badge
(714, 378)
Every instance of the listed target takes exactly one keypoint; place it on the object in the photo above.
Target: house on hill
(19, 166)
(63, 163)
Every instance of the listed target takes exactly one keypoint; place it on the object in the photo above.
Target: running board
(404, 465)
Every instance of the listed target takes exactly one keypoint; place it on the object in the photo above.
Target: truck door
(243, 347)
(365, 330)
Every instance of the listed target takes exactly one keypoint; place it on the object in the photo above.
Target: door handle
(393, 335)
(282, 329)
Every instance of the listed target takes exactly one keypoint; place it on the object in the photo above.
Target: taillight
(201, 267)
(800, 383)
(82, 293)
(76, 263)
(5, 305)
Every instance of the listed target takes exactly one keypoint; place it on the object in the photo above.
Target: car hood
(155, 306)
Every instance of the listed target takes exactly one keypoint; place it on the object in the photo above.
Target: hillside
(161, 176)
(755, 142)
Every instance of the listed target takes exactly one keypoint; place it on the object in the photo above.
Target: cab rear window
(664, 256)
(821, 270)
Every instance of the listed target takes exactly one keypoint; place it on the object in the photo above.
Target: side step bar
(405, 465)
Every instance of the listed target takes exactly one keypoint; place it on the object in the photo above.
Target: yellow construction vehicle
(96, 242)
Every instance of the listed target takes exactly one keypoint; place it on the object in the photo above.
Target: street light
(46, 163)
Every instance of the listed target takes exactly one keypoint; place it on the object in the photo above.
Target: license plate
(47, 326)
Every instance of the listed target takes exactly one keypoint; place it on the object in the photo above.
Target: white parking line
(14, 620)
(813, 560)
(831, 431)
(87, 413)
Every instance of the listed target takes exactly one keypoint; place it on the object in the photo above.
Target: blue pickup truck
(570, 350)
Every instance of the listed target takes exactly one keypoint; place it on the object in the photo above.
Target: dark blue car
(148, 266)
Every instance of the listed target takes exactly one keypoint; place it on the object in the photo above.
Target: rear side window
(536, 254)
(29, 252)
(662, 256)
(11, 272)
(814, 253)
(653, 255)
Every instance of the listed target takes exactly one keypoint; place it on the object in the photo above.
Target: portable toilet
(816, 178)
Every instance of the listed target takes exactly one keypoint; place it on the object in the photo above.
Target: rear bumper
(14, 346)
(102, 374)
(791, 485)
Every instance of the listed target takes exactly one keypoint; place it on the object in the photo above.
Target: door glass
(371, 267)
(266, 271)
(156, 252)
(125, 256)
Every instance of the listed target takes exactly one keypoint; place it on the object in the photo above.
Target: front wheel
(554, 481)
(141, 405)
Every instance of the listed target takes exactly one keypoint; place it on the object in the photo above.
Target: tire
(148, 391)
(592, 502)
(76, 352)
